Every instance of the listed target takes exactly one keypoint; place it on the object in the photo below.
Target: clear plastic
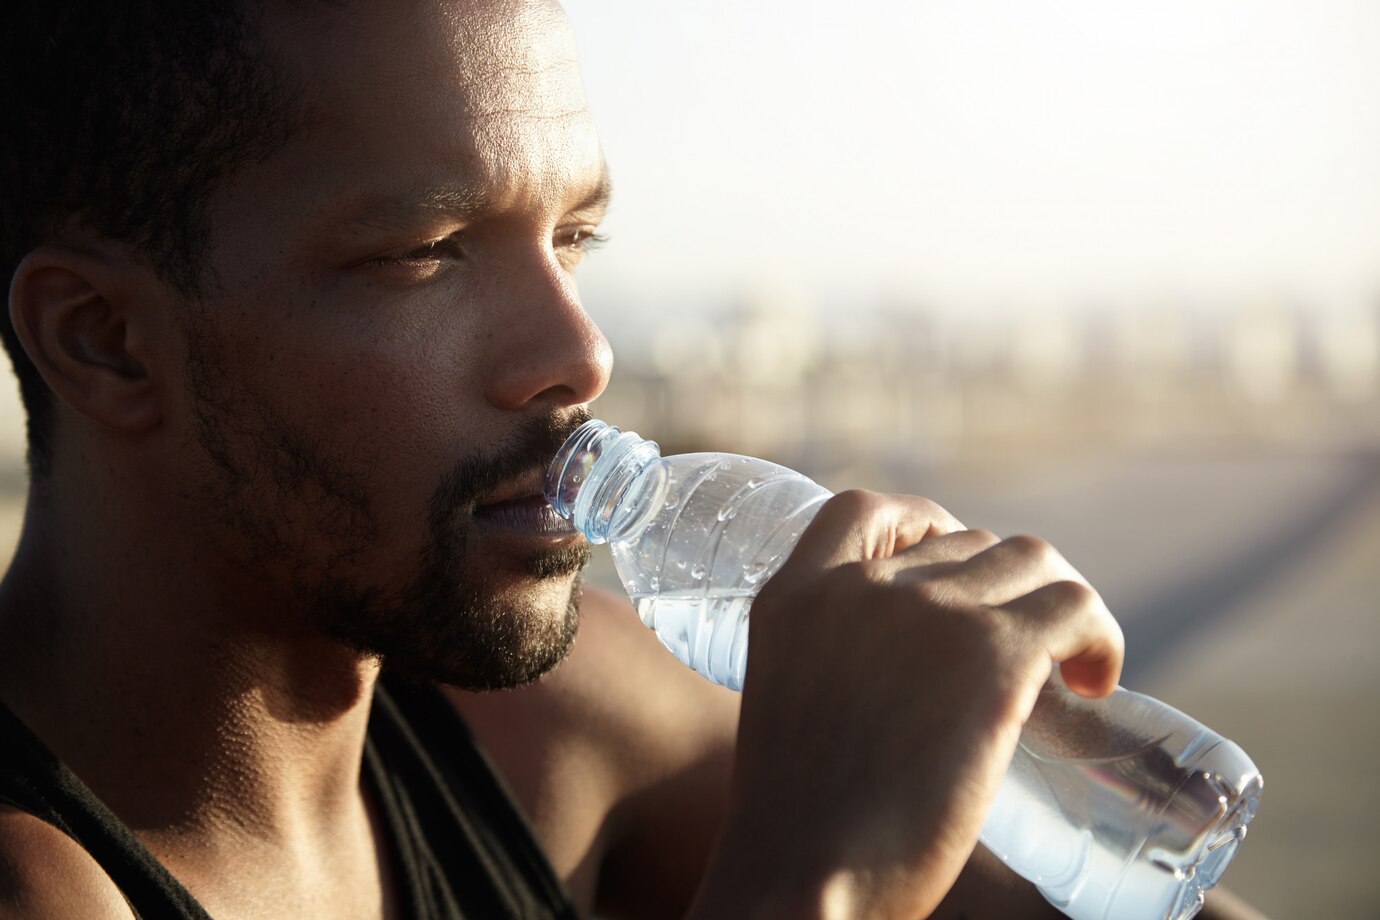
(1121, 808)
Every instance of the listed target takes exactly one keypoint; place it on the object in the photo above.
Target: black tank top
(461, 848)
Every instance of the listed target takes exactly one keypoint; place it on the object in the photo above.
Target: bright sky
(975, 152)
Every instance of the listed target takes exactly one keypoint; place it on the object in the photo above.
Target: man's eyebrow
(599, 197)
(399, 210)
(456, 201)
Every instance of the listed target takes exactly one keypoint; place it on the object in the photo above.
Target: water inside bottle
(706, 630)
(1140, 829)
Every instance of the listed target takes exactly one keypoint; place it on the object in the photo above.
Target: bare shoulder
(618, 693)
(46, 874)
(621, 757)
(621, 668)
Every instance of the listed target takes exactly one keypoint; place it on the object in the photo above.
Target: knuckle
(866, 503)
(1035, 549)
(848, 510)
(984, 537)
(931, 508)
(1076, 594)
(857, 502)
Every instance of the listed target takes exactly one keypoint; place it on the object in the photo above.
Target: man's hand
(894, 659)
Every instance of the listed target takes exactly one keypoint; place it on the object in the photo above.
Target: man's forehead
(486, 87)
(488, 36)
(490, 48)
(455, 107)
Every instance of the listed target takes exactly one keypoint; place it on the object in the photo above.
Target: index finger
(859, 525)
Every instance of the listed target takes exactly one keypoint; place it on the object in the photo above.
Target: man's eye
(447, 247)
(584, 239)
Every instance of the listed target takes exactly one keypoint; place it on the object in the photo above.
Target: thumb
(859, 525)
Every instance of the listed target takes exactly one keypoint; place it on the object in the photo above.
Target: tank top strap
(463, 846)
(460, 844)
(32, 779)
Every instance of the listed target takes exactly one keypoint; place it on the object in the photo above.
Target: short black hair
(123, 115)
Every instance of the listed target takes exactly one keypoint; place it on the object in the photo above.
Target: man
(293, 310)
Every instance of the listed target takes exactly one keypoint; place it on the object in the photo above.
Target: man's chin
(526, 639)
(504, 631)
(559, 562)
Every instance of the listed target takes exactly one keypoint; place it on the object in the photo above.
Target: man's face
(392, 348)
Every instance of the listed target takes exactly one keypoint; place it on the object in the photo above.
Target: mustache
(533, 445)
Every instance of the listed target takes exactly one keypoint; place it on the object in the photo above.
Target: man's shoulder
(46, 874)
(618, 692)
(621, 759)
(619, 667)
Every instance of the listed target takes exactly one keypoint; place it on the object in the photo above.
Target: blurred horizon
(987, 156)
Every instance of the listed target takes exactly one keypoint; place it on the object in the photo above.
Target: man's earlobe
(88, 331)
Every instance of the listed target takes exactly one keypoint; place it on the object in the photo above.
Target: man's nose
(552, 352)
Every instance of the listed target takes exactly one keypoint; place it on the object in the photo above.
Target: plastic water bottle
(1120, 808)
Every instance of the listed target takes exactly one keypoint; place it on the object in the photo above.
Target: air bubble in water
(728, 512)
(698, 572)
(753, 572)
(755, 482)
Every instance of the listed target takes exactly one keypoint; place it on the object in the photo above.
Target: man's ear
(88, 323)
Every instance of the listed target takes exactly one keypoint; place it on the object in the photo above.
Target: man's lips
(528, 513)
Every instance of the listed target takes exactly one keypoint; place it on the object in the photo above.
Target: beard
(294, 511)
(461, 626)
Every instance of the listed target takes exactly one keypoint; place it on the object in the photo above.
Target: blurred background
(1099, 270)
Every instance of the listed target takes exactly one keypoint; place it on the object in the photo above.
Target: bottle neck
(605, 481)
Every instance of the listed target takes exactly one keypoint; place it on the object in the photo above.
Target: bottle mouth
(592, 474)
(572, 465)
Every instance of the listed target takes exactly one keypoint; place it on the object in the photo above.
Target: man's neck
(187, 723)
